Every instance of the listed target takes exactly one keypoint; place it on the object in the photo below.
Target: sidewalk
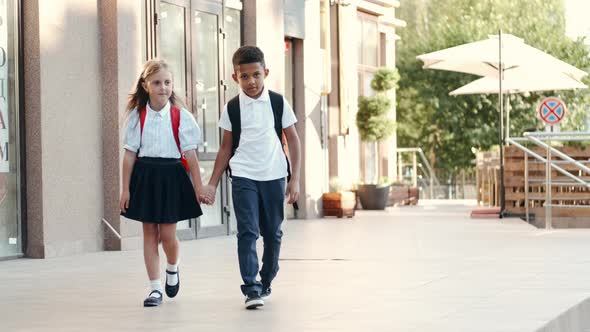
(421, 269)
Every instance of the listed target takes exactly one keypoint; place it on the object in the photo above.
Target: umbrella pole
(501, 131)
(507, 120)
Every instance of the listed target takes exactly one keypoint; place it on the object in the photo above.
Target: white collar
(264, 97)
(163, 112)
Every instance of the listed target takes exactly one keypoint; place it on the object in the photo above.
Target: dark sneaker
(171, 291)
(253, 301)
(265, 294)
(153, 300)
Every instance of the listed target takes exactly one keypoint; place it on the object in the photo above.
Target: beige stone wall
(129, 63)
(263, 22)
(81, 60)
(122, 60)
(264, 27)
(314, 161)
(71, 126)
(344, 148)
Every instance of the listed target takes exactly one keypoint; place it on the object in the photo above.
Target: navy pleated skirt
(161, 192)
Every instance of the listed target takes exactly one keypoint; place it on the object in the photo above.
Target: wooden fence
(562, 191)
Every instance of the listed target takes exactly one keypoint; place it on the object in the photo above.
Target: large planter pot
(340, 204)
(373, 197)
(398, 194)
(414, 195)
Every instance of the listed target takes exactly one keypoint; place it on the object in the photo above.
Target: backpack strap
(277, 104)
(233, 111)
(175, 119)
(142, 115)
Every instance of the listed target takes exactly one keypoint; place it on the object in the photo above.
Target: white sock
(155, 285)
(172, 279)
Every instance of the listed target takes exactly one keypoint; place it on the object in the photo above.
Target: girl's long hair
(139, 97)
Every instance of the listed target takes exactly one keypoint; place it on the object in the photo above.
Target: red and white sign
(552, 110)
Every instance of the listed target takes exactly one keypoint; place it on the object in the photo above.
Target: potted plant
(402, 194)
(375, 125)
(338, 202)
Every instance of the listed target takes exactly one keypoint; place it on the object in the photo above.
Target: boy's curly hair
(248, 54)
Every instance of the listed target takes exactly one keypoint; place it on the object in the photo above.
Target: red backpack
(175, 117)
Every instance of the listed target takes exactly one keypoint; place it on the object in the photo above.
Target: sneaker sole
(149, 305)
(254, 304)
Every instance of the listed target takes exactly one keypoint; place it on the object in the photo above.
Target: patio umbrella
(519, 81)
(495, 57)
(483, 58)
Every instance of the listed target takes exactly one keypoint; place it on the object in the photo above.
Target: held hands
(292, 191)
(207, 194)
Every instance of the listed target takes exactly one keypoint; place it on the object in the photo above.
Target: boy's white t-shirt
(259, 155)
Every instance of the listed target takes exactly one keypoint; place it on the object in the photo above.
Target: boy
(252, 148)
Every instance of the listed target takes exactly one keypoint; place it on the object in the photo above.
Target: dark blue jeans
(259, 211)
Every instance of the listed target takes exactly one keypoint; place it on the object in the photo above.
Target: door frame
(213, 7)
(189, 233)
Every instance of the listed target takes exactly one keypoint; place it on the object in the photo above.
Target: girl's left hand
(124, 201)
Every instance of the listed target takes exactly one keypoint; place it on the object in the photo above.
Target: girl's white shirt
(158, 138)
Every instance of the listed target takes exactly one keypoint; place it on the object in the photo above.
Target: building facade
(67, 67)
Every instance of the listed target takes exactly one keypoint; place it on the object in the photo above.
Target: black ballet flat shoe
(171, 291)
(152, 301)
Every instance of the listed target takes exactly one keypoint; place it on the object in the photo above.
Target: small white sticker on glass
(12, 240)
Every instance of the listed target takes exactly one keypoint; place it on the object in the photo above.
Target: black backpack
(233, 110)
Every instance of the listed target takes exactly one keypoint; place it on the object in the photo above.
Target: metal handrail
(424, 161)
(561, 154)
(538, 138)
(544, 161)
(558, 134)
(432, 176)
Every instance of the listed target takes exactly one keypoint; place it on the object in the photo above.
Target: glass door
(232, 27)
(11, 232)
(174, 33)
(194, 36)
(208, 99)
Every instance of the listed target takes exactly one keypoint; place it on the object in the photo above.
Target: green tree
(372, 118)
(452, 129)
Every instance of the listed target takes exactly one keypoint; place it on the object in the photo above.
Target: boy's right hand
(124, 201)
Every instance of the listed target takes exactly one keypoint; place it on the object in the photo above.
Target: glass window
(144, 31)
(367, 78)
(206, 75)
(172, 48)
(211, 213)
(10, 225)
(359, 39)
(232, 43)
(289, 71)
(371, 43)
(368, 41)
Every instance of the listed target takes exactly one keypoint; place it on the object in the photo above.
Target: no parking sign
(552, 110)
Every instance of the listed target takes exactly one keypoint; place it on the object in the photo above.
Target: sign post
(551, 111)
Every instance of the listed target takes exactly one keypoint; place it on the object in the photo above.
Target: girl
(157, 190)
